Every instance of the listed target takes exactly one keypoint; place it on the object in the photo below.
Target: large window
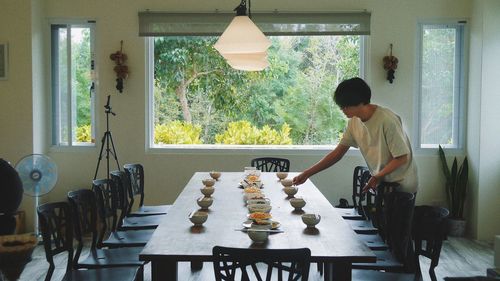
(73, 85)
(441, 88)
(197, 98)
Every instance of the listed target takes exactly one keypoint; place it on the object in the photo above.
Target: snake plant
(456, 184)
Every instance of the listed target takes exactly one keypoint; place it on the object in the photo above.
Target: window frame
(55, 107)
(460, 92)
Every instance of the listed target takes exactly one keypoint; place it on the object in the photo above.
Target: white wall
(392, 22)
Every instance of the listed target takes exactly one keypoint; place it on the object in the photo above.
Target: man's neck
(367, 111)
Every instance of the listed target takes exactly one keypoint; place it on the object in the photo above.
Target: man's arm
(389, 168)
(327, 161)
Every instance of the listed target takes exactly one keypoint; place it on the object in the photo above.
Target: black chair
(126, 220)
(135, 172)
(471, 278)
(108, 218)
(359, 209)
(56, 226)
(271, 164)
(84, 207)
(231, 263)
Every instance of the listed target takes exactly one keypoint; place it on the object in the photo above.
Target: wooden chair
(257, 264)
(84, 207)
(135, 172)
(56, 226)
(109, 235)
(271, 164)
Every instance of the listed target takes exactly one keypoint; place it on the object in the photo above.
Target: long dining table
(332, 242)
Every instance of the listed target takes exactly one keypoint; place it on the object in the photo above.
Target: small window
(73, 85)
(441, 86)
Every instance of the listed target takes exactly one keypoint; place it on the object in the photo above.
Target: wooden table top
(177, 239)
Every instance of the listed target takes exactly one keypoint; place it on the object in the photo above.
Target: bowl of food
(207, 190)
(215, 175)
(264, 201)
(205, 202)
(311, 219)
(261, 224)
(287, 182)
(281, 175)
(208, 182)
(291, 190)
(255, 195)
(259, 216)
(198, 217)
(298, 203)
(258, 235)
(252, 189)
(264, 208)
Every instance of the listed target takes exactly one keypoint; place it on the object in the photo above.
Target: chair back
(56, 226)
(135, 173)
(122, 185)
(84, 207)
(107, 206)
(363, 202)
(429, 225)
(271, 164)
(260, 264)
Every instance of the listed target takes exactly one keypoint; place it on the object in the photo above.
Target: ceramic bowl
(208, 182)
(264, 201)
(261, 224)
(281, 175)
(287, 182)
(297, 203)
(264, 208)
(291, 190)
(198, 217)
(204, 202)
(258, 236)
(215, 175)
(311, 219)
(207, 190)
(251, 196)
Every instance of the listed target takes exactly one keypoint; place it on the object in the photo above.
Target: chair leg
(140, 274)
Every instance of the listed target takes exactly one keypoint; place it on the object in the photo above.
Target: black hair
(352, 92)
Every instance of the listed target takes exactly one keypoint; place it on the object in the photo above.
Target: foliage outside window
(199, 99)
(72, 85)
(441, 114)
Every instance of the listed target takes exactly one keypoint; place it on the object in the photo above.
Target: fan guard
(38, 174)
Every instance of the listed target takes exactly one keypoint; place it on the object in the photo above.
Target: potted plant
(456, 191)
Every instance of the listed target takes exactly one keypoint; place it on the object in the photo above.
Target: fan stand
(36, 176)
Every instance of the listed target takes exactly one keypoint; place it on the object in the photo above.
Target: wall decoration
(390, 65)
(120, 69)
(4, 55)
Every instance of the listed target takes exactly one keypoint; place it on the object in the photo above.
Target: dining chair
(271, 164)
(355, 210)
(231, 264)
(127, 220)
(84, 208)
(135, 172)
(109, 234)
(56, 225)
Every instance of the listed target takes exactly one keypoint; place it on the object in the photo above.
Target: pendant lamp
(242, 44)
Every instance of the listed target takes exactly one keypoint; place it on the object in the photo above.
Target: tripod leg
(114, 151)
(100, 155)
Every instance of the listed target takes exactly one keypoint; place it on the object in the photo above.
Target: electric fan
(38, 174)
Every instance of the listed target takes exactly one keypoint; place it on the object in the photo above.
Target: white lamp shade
(245, 57)
(242, 36)
(249, 65)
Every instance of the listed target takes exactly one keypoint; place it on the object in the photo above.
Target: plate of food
(251, 223)
(259, 216)
(246, 183)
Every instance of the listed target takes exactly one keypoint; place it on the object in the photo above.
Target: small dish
(264, 208)
(264, 201)
(281, 175)
(250, 196)
(198, 217)
(258, 235)
(298, 203)
(208, 182)
(291, 190)
(207, 190)
(311, 219)
(249, 223)
(287, 182)
(215, 175)
(205, 202)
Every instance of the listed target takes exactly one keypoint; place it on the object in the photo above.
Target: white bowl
(208, 182)
(215, 175)
(311, 219)
(287, 182)
(290, 190)
(198, 217)
(264, 201)
(207, 190)
(250, 196)
(205, 202)
(261, 224)
(298, 203)
(282, 175)
(259, 208)
(258, 236)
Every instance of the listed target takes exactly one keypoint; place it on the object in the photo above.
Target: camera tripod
(107, 139)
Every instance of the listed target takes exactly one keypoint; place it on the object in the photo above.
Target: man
(379, 135)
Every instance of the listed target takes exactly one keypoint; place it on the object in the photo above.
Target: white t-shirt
(380, 139)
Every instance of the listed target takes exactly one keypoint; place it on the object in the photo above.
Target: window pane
(63, 104)
(199, 99)
(439, 92)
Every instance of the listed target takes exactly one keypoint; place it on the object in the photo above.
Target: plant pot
(456, 227)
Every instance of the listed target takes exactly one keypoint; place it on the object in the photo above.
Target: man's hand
(300, 179)
(371, 184)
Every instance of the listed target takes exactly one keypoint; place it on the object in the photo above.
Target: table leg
(161, 271)
(337, 271)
